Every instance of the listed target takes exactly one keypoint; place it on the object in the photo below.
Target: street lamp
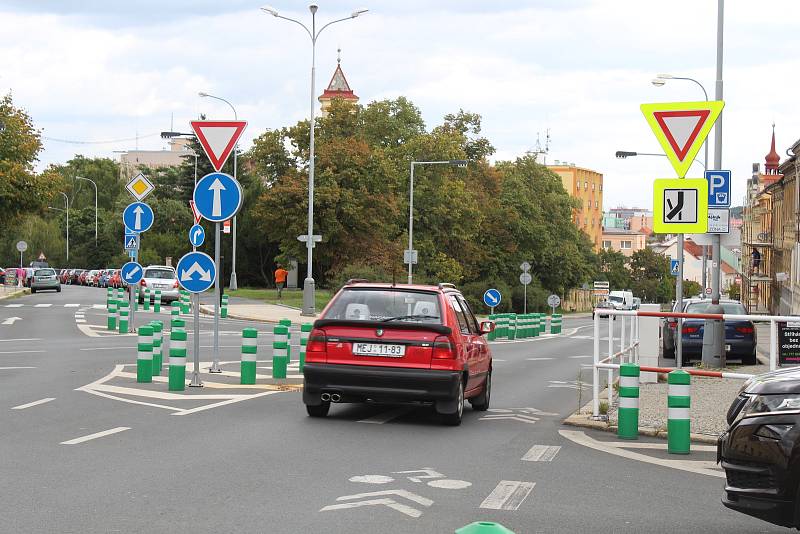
(410, 253)
(95, 205)
(313, 33)
(623, 154)
(170, 135)
(233, 284)
(65, 210)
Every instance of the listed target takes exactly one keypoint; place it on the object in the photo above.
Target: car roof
(400, 287)
(160, 267)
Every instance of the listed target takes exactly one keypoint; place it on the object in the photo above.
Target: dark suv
(760, 451)
(398, 343)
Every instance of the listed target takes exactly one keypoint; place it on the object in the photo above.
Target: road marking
(701, 467)
(96, 435)
(11, 320)
(537, 359)
(508, 495)
(21, 339)
(371, 479)
(510, 417)
(8, 368)
(42, 305)
(385, 417)
(99, 306)
(541, 453)
(391, 503)
(34, 403)
(71, 305)
(572, 384)
(22, 352)
(14, 305)
(449, 484)
(576, 357)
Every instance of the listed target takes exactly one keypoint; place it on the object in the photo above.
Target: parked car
(82, 277)
(45, 279)
(75, 276)
(65, 276)
(160, 277)
(760, 450)
(668, 328)
(603, 305)
(387, 343)
(2, 276)
(621, 300)
(115, 281)
(740, 335)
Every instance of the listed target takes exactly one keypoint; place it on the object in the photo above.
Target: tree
(651, 279)
(613, 267)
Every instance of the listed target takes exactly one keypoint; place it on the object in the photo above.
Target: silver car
(45, 279)
(159, 277)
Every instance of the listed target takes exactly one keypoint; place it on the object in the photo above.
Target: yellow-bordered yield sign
(680, 206)
(681, 128)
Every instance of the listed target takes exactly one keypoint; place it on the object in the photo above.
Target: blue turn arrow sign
(196, 272)
(218, 196)
(492, 298)
(138, 217)
(131, 272)
(197, 235)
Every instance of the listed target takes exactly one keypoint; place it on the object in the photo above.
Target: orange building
(587, 186)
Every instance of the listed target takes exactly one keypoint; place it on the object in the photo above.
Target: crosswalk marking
(541, 453)
(537, 359)
(13, 305)
(99, 306)
(42, 305)
(71, 305)
(508, 495)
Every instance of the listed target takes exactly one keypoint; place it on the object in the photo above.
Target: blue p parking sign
(719, 189)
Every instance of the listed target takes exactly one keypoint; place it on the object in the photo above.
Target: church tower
(337, 88)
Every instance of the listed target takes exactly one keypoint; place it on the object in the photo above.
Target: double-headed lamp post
(410, 252)
(95, 204)
(313, 33)
(233, 283)
(65, 210)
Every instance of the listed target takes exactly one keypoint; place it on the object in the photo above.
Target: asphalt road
(228, 459)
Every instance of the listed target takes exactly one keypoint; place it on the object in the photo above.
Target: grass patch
(293, 297)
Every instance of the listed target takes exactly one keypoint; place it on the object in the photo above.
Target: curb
(205, 309)
(18, 293)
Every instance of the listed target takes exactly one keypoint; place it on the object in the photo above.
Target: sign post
(132, 274)
(196, 272)
(22, 246)
(525, 279)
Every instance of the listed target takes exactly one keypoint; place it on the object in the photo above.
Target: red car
(398, 343)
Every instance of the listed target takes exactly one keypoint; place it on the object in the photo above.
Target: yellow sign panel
(140, 187)
(681, 128)
(680, 206)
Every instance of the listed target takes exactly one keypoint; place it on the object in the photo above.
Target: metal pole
(233, 285)
(308, 283)
(66, 206)
(595, 369)
(525, 297)
(679, 300)
(196, 382)
(215, 364)
(410, 223)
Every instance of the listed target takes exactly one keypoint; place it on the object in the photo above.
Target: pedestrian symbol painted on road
(680, 205)
(131, 273)
(196, 272)
(492, 298)
(138, 217)
(197, 235)
(218, 196)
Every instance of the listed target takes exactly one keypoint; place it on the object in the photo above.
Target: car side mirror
(487, 327)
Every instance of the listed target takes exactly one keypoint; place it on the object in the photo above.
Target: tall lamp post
(410, 252)
(233, 284)
(313, 33)
(95, 204)
(65, 210)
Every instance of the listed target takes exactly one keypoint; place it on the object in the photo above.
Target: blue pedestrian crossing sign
(138, 217)
(131, 273)
(132, 242)
(492, 298)
(719, 189)
(674, 266)
(218, 196)
(196, 272)
(197, 235)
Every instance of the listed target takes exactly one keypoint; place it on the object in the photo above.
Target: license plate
(727, 348)
(162, 286)
(379, 349)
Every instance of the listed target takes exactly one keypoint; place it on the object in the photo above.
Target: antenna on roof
(539, 149)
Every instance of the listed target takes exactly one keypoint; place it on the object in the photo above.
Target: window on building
(596, 205)
(585, 186)
(589, 204)
(586, 221)
(625, 244)
(601, 187)
(606, 245)
(593, 186)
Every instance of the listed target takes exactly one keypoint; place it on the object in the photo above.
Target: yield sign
(196, 213)
(218, 139)
(681, 128)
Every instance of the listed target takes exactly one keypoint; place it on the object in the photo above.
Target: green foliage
(735, 291)
(691, 288)
(650, 277)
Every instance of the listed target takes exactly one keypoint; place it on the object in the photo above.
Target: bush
(368, 272)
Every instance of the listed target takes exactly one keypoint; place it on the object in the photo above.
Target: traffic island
(7, 292)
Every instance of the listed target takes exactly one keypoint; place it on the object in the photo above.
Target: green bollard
(135, 291)
(678, 404)
(177, 359)
(534, 325)
(628, 413)
(555, 323)
(146, 299)
(123, 317)
(493, 334)
(144, 355)
(305, 332)
(109, 296)
(288, 324)
(280, 351)
(542, 323)
(158, 341)
(112, 315)
(484, 527)
(157, 301)
(223, 311)
(512, 326)
(247, 372)
(186, 302)
(174, 313)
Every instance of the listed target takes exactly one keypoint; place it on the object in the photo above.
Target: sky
(98, 71)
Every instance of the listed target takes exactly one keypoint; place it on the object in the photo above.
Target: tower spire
(772, 160)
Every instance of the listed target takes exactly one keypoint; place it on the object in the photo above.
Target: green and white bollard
(678, 404)
(109, 296)
(177, 323)
(288, 324)
(628, 413)
(177, 359)
(157, 301)
(280, 351)
(174, 313)
(542, 323)
(484, 527)
(147, 299)
(305, 332)
(502, 325)
(512, 326)
(493, 334)
(247, 372)
(223, 310)
(144, 355)
(135, 290)
(112, 315)
(534, 325)
(158, 341)
(123, 317)
(555, 323)
(186, 302)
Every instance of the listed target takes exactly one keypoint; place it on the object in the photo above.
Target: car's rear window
(165, 274)
(387, 305)
(735, 308)
(44, 272)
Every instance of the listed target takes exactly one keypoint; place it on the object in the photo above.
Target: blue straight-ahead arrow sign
(218, 196)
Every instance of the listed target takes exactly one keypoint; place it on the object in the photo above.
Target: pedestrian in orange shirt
(280, 279)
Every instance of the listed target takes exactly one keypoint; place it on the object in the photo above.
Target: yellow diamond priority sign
(680, 206)
(140, 187)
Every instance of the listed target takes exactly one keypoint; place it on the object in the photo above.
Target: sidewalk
(265, 313)
(7, 292)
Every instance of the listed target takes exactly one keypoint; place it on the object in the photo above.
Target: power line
(111, 141)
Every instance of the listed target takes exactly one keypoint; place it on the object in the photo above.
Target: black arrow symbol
(677, 209)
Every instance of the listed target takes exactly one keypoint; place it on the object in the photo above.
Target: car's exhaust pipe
(325, 397)
(336, 397)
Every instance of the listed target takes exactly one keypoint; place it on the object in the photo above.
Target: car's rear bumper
(378, 383)
(739, 348)
(55, 284)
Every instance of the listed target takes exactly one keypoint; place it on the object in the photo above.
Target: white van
(621, 300)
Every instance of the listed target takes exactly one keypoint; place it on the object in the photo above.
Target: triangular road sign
(196, 213)
(681, 128)
(218, 139)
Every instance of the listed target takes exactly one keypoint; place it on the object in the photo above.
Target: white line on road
(21, 339)
(575, 357)
(508, 495)
(541, 453)
(34, 403)
(80, 320)
(22, 352)
(13, 305)
(99, 306)
(7, 368)
(537, 359)
(385, 417)
(96, 435)
(42, 305)
(71, 305)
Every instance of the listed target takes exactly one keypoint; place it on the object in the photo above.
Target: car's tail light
(443, 349)
(673, 325)
(33, 279)
(317, 347)
(690, 329)
(745, 329)
(144, 283)
(175, 285)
